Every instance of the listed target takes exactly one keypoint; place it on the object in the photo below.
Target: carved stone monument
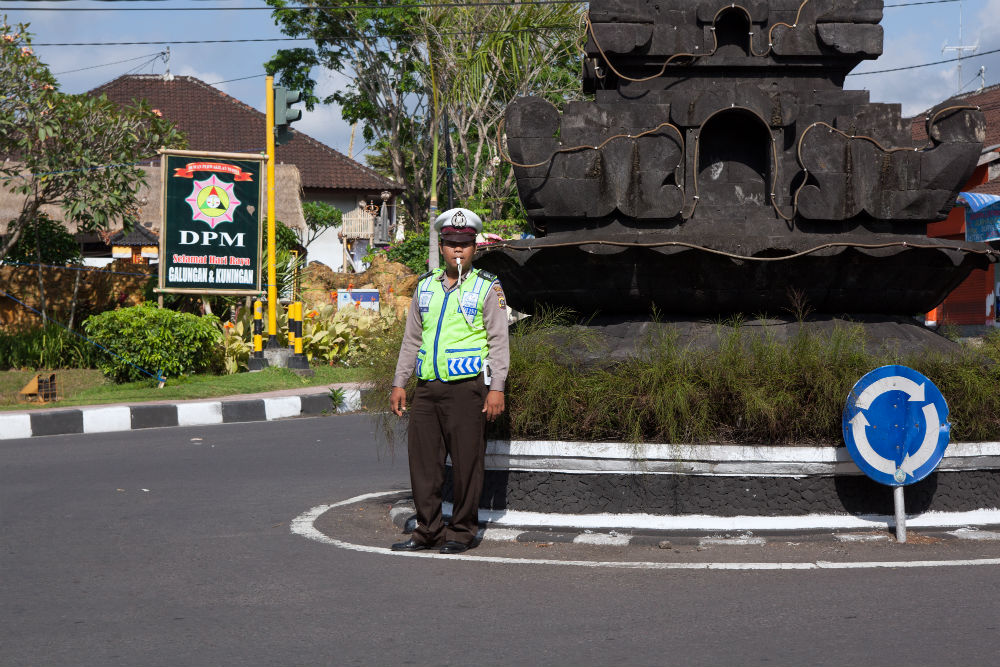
(722, 166)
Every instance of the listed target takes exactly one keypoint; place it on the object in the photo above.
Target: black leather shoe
(453, 547)
(411, 545)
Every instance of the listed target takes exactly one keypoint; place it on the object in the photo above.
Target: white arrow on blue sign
(896, 425)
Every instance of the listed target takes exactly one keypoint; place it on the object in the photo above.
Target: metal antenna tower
(960, 49)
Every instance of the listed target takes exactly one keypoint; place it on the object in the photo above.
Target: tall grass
(46, 347)
(751, 389)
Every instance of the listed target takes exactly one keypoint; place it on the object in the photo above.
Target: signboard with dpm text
(211, 234)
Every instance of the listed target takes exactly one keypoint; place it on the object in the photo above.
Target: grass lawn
(89, 387)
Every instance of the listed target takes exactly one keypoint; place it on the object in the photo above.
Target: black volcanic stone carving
(573, 493)
(724, 128)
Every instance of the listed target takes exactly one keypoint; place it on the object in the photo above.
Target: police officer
(456, 343)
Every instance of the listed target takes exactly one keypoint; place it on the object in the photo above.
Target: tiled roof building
(214, 121)
(973, 302)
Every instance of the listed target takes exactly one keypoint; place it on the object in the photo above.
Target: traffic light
(284, 115)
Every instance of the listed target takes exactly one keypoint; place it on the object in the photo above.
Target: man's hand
(397, 401)
(494, 404)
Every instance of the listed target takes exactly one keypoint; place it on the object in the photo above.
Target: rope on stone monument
(749, 258)
(715, 39)
(831, 128)
(573, 149)
(774, 151)
(607, 61)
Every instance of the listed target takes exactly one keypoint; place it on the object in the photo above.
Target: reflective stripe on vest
(453, 341)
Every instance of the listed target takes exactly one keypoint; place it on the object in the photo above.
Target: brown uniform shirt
(494, 319)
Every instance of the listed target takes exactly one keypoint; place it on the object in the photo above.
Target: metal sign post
(899, 505)
(896, 429)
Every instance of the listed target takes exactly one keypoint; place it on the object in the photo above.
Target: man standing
(456, 342)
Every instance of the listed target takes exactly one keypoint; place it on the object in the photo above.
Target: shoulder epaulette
(426, 275)
(487, 276)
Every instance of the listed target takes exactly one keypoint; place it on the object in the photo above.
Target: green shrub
(44, 240)
(46, 347)
(155, 340)
(508, 229)
(412, 250)
(750, 389)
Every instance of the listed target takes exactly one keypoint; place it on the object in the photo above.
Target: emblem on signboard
(213, 201)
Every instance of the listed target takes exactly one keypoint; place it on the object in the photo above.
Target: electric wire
(73, 268)
(116, 62)
(302, 8)
(409, 35)
(936, 62)
(159, 374)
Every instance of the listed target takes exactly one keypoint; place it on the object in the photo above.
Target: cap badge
(458, 220)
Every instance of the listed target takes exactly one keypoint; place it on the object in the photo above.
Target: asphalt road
(173, 547)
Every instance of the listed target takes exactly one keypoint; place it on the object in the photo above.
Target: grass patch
(751, 389)
(89, 387)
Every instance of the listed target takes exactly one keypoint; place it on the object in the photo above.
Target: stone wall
(942, 491)
(120, 283)
(394, 282)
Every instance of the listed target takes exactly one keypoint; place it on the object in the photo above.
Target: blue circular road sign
(896, 425)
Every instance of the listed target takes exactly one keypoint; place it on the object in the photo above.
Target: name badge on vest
(425, 301)
(470, 303)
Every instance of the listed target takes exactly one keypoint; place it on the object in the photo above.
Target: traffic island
(693, 482)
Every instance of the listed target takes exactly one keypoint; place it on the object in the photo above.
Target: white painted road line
(199, 414)
(501, 534)
(304, 526)
(864, 537)
(15, 426)
(974, 534)
(283, 406)
(746, 540)
(107, 420)
(602, 539)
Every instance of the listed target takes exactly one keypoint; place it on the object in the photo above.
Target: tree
(485, 56)
(408, 63)
(320, 217)
(374, 47)
(45, 241)
(75, 152)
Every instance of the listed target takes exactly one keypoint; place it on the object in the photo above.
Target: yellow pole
(272, 278)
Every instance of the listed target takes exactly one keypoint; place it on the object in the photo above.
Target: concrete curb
(705, 530)
(107, 419)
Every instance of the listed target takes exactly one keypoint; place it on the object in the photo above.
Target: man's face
(456, 250)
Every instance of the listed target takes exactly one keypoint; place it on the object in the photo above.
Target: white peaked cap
(459, 218)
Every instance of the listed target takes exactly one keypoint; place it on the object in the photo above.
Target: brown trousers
(447, 418)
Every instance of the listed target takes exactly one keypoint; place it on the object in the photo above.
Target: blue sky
(913, 35)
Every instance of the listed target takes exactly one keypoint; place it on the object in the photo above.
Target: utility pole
(279, 116)
(447, 160)
(272, 276)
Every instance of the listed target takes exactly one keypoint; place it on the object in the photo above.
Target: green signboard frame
(210, 239)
